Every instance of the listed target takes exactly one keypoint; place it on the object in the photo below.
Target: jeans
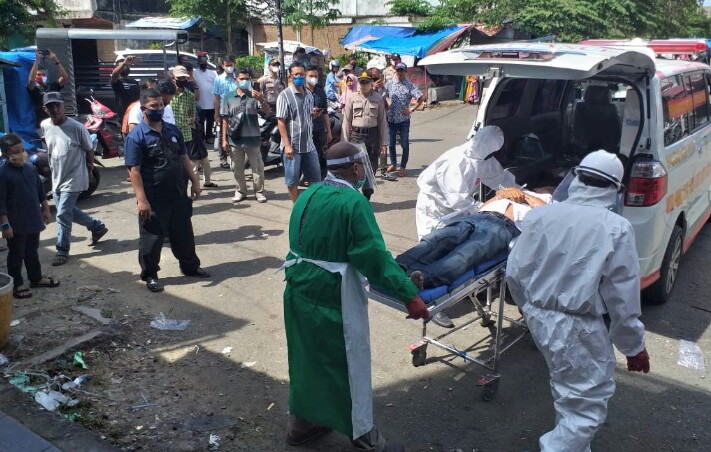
(445, 254)
(23, 248)
(402, 129)
(67, 213)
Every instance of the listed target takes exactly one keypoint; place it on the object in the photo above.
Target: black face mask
(125, 72)
(181, 83)
(202, 65)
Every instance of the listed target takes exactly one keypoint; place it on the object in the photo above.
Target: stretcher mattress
(430, 295)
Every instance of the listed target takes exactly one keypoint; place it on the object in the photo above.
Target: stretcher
(487, 277)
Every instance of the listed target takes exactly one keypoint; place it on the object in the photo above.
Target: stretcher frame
(468, 291)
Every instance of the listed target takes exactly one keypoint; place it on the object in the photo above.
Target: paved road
(432, 408)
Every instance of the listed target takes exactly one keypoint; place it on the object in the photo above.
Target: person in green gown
(334, 241)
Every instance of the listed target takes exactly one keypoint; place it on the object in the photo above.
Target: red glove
(416, 309)
(639, 363)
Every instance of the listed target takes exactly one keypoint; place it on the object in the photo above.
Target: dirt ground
(226, 373)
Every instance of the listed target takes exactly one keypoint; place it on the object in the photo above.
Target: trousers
(171, 218)
(237, 158)
(402, 129)
(370, 137)
(67, 214)
(445, 254)
(23, 248)
(206, 170)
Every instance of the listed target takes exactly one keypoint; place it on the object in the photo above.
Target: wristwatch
(5, 226)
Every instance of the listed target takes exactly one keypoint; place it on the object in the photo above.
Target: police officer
(364, 121)
(270, 84)
(159, 168)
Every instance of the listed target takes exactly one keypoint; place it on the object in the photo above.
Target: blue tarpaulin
(20, 110)
(402, 40)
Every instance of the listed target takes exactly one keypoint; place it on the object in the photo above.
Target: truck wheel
(661, 290)
(94, 179)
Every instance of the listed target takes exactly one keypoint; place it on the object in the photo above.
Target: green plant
(255, 63)
(410, 8)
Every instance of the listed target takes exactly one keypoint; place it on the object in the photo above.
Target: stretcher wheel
(489, 391)
(486, 320)
(419, 356)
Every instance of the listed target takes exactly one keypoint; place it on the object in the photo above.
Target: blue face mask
(360, 184)
(245, 85)
(299, 80)
(154, 115)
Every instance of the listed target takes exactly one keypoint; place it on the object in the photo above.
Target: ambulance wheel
(419, 356)
(489, 391)
(661, 291)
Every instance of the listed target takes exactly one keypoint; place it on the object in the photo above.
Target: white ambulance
(572, 99)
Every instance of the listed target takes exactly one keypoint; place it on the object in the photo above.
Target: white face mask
(229, 69)
(312, 81)
(274, 69)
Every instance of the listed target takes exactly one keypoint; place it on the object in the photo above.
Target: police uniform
(271, 88)
(364, 121)
(159, 156)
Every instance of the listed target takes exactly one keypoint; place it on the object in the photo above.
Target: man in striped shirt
(295, 112)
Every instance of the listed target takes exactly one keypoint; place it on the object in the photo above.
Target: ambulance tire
(660, 292)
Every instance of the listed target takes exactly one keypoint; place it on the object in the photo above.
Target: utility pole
(280, 42)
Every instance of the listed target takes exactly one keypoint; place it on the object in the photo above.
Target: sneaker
(96, 236)
(260, 197)
(239, 197)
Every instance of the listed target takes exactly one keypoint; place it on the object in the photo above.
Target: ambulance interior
(550, 125)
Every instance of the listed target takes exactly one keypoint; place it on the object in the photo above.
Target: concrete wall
(365, 8)
(327, 38)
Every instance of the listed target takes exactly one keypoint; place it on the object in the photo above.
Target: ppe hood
(485, 142)
(541, 60)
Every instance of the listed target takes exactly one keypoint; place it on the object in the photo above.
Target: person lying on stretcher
(445, 254)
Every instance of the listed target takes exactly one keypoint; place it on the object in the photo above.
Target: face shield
(362, 158)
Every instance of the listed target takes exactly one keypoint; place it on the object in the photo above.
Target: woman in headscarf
(351, 88)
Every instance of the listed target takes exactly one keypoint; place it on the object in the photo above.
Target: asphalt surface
(437, 407)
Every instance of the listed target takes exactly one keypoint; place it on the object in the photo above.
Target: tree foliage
(315, 13)
(15, 17)
(573, 21)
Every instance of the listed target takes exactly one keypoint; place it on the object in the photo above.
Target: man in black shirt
(321, 121)
(125, 89)
(38, 83)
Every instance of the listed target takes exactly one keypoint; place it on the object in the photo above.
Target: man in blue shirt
(224, 84)
(399, 92)
(332, 81)
(159, 167)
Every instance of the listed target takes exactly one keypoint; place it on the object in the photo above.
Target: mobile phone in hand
(256, 86)
(45, 52)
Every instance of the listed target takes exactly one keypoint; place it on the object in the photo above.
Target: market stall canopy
(402, 40)
(170, 23)
(20, 110)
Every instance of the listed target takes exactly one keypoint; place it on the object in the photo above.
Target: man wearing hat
(71, 158)
(390, 72)
(364, 121)
(399, 91)
(332, 81)
(270, 84)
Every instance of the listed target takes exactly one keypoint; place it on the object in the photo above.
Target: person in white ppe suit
(573, 262)
(449, 183)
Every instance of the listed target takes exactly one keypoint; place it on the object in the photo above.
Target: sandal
(59, 259)
(50, 282)
(390, 168)
(21, 292)
(402, 172)
(209, 185)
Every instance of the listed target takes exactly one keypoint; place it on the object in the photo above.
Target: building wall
(367, 8)
(327, 38)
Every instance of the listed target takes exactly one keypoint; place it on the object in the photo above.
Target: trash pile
(52, 392)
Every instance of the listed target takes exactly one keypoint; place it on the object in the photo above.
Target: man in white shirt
(166, 87)
(205, 79)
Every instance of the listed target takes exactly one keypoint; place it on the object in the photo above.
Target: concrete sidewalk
(15, 437)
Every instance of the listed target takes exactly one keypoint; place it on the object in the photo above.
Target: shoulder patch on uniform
(175, 140)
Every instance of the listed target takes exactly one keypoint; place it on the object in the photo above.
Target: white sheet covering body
(575, 261)
(449, 183)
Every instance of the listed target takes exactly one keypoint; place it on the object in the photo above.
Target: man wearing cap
(353, 62)
(399, 91)
(126, 89)
(364, 121)
(326, 309)
(332, 81)
(390, 72)
(71, 158)
(271, 85)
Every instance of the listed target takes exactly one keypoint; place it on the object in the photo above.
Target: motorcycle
(269, 141)
(104, 123)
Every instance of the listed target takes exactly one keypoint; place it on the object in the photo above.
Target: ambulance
(572, 99)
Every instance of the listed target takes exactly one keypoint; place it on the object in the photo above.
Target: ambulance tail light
(647, 184)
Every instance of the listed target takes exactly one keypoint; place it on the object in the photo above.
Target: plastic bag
(3, 360)
(50, 400)
(690, 356)
(161, 323)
